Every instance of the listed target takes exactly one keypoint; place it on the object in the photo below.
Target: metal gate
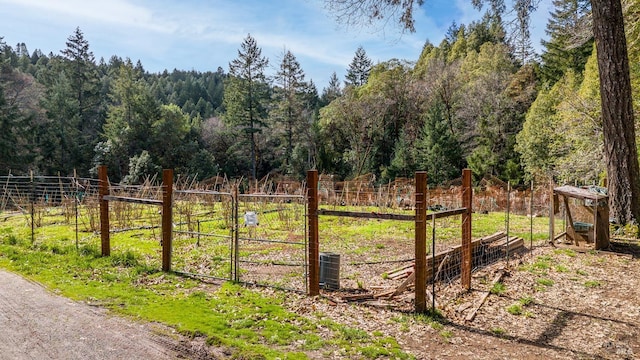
(271, 241)
(249, 238)
(203, 228)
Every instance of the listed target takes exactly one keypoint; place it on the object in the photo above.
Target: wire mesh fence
(367, 247)
(51, 201)
(271, 241)
(203, 232)
(367, 244)
(261, 238)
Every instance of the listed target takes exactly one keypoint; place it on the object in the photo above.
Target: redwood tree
(617, 110)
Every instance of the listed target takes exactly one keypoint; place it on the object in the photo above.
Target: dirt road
(39, 325)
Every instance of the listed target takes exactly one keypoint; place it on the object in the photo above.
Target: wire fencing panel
(271, 241)
(51, 201)
(128, 216)
(364, 248)
(203, 233)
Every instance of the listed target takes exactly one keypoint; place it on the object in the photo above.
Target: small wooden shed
(596, 233)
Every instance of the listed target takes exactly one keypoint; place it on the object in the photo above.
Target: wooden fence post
(104, 210)
(421, 242)
(314, 242)
(167, 218)
(235, 252)
(465, 268)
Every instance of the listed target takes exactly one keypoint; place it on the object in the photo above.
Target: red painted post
(465, 267)
(103, 191)
(167, 218)
(421, 242)
(314, 241)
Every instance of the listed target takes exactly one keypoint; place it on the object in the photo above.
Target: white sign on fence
(251, 219)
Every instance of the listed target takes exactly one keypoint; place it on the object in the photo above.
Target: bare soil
(583, 306)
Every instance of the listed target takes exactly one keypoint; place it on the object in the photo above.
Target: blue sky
(205, 34)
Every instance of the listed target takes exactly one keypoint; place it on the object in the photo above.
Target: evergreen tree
(332, 91)
(521, 38)
(487, 30)
(14, 154)
(359, 69)
(290, 102)
(81, 71)
(59, 135)
(246, 92)
(438, 151)
(571, 39)
(127, 131)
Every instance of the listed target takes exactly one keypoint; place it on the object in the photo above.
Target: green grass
(446, 334)
(567, 252)
(540, 266)
(518, 308)
(498, 288)
(250, 323)
(526, 301)
(129, 283)
(592, 284)
(545, 282)
(515, 309)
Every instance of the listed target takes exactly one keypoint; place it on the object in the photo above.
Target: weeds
(545, 282)
(592, 284)
(515, 309)
(518, 308)
(498, 288)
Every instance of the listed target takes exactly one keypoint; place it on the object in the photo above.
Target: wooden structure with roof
(596, 203)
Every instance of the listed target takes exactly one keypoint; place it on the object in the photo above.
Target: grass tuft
(498, 288)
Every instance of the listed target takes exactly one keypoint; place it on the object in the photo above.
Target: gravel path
(39, 325)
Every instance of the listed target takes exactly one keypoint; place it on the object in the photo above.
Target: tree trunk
(617, 110)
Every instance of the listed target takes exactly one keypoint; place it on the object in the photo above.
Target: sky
(203, 35)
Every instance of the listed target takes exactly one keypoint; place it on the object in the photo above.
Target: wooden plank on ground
(473, 313)
(514, 244)
(357, 297)
(405, 284)
(405, 271)
(401, 274)
(456, 251)
(385, 293)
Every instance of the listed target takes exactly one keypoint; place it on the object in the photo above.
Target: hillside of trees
(477, 99)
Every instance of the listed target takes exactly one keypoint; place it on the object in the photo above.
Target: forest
(481, 99)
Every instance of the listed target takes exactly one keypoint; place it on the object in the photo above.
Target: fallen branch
(440, 267)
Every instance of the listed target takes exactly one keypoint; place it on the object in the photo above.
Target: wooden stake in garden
(465, 270)
(104, 210)
(167, 218)
(314, 242)
(421, 242)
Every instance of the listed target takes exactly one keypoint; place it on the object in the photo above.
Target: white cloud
(202, 35)
(112, 12)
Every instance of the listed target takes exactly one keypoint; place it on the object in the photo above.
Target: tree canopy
(469, 101)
